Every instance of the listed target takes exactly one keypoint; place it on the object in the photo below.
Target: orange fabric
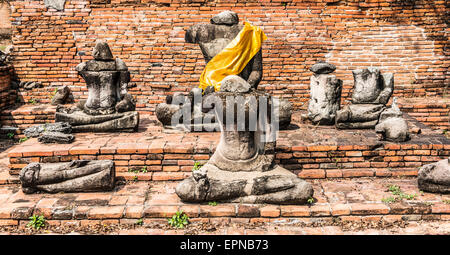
(234, 57)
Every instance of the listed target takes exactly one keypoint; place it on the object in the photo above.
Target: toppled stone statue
(61, 96)
(75, 176)
(325, 92)
(37, 130)
(213, 38)
(371, 93)
(109, 107)
(242, 167)
(58, 132)
(55, 137)
(435, 177)
(392, 126)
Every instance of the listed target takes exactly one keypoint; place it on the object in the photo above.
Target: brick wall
(407, 37)
(6, 95)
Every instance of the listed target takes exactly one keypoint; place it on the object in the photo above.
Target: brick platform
(309, 151)
(346, 200)
(25, 116)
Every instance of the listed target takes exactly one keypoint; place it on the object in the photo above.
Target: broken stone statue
(75, 176)
(61, 96)
(109, 107)
(212, 39)
(325, 94)
(435, 177)
(392, 126)
(58, 132)
(242, 167)
(371, 93)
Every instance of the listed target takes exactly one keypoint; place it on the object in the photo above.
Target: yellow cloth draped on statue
(234, 57)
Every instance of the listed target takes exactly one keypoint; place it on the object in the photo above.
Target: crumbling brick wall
(407, 37)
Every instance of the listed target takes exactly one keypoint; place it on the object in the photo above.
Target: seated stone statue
(370, 95)
(242, 167)
(213, 38)
(75, 176)
(109, 107)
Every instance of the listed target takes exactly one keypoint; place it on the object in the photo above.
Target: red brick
(369, 209)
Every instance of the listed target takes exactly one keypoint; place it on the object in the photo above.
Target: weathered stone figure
(212, 39)
(325, 92)
(75, 176)
(242, 168)
(371, 93)
(435, 177)
(109, 107)
(392, 126)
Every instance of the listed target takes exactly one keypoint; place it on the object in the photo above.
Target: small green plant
(140, 222)
(135, 178)
(36, 221)
(54, 93)
(32, 101)
(23, 139)
(212, 203)
(447, 201)
(10, 135)
(389, 200)
(179, 220)
(399, 195)
(310, 201)
(144, 169)
(196, 166)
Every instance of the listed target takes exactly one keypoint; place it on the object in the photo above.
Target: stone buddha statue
(212, 38)
(371, 93)
(242, 167)
(108, 107)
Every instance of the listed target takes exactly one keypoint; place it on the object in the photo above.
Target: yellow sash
(234, 57)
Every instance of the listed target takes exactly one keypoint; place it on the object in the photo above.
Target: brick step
(347, 200)
(307, 161)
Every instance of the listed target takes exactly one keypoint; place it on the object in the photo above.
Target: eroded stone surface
(372, 90)
(435, 177)
(392, 126)
(234, 83)
(37, 130)
(225, 18)
(109, 107)
(56, 4)
(61, 96)
(325, 98)
(75, 176)
(322, 68)
(55, 137)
